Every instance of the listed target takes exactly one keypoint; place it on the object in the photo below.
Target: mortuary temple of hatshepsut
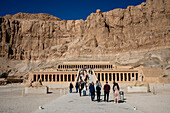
(67, 72)
(122, 45)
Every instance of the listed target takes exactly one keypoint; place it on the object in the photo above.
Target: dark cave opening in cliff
(10, 51)
(7, 37)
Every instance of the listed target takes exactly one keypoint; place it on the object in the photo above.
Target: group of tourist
(97, 88)
(82, 85)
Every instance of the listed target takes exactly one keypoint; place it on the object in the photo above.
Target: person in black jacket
(71, 86)
(77, 86)
(92, 91)
(98, 89)
(80, 89)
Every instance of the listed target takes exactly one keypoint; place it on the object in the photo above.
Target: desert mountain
(133, 36)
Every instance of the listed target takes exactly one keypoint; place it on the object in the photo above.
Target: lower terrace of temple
(104, 71)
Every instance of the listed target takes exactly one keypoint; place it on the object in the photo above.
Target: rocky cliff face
(37, 37)
(42, 36)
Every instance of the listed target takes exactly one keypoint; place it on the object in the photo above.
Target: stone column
(135, 76)
(56, 78)
(108, 77)
(64, 77)
(48, 78)
(44, 77)
(130, 76)
(100, 77)
(59, 77)
(123, 76)
(119, 76)
(67, 77)
(71, 77)
(112, 77)
(127, 74)
(52, 78)
(75, 77)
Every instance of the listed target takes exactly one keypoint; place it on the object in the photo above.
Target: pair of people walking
(92, 90)
(115, 91)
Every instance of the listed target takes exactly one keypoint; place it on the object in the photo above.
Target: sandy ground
(157, 101)
(73, 103)
(12, 100)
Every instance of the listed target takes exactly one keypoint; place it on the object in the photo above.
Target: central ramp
(73, 103)
(92, 77)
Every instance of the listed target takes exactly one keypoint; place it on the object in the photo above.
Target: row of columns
(84, 66)
(54, 77)
(121, 77)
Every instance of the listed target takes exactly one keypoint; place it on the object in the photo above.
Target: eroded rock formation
(37, 37)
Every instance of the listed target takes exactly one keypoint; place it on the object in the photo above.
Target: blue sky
(63, 9)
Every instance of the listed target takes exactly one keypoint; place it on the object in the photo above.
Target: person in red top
(106, 91)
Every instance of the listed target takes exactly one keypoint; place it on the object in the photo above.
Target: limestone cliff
(39, 37)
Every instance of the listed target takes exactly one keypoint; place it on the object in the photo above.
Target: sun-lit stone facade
(104, 71)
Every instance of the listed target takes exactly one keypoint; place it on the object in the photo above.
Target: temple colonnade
(118, 76)
(54, 76)
(67, 66)
(70, 76)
